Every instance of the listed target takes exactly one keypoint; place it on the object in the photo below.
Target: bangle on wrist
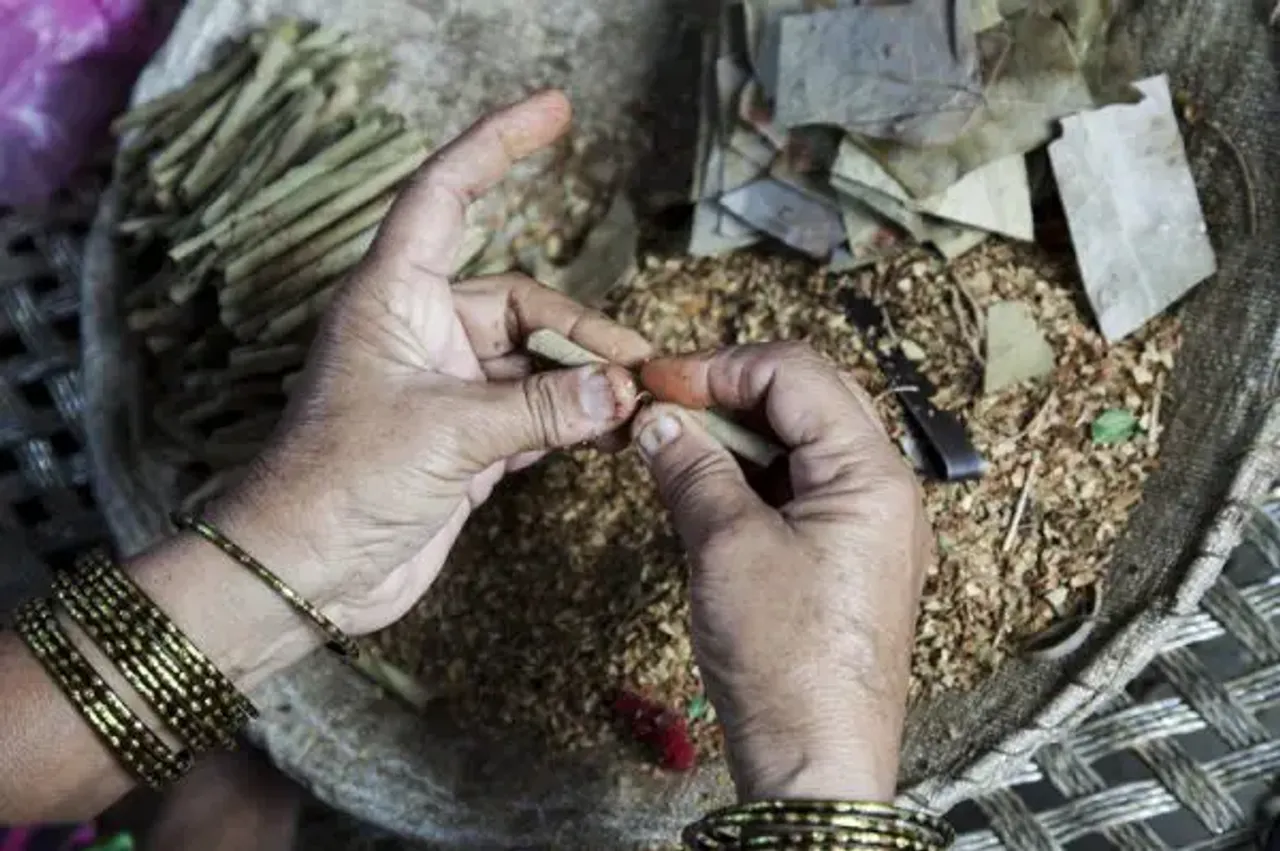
(192, 698)
(806, 823)
(337, 640)
(141, 752)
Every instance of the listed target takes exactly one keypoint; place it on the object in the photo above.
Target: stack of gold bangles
(199, 705)
(831, 825)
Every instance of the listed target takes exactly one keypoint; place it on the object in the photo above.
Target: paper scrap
(906, 72)
(1016, 347)
(1139, 234)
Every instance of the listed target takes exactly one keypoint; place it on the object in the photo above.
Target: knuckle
(689, 482)
(897, 486)
(543, 412)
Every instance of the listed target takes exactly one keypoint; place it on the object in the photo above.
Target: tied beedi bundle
(250, 191)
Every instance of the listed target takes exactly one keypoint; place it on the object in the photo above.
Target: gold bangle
(338, 641)
(818, 824)
(141, 752)
(141, 659)
(211, 692)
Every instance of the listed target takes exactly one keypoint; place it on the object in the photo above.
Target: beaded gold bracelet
(338, 641)
(835, 825)
(140, 750)
(142, 656)
(212, 693)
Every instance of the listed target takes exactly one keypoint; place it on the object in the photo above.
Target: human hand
(804, 612)
(417, 399)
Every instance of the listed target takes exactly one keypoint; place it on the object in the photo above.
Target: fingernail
(657, 434)
(597, 397)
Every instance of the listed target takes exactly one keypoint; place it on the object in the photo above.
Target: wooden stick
(258, 286)
(306, 121)
(250, 432)
(261, 151)
(1012, 535)
(246, 320)
(143, 225)
(732, 436)
(295, 317)
(186, 141)
(255, 213)
(215, 161)
(322, 38)
(391, 679)
(183, 289)
(200, 90)
(278, 50)
(248, 362)
(352, 179)
(371, 185)
(244, 397)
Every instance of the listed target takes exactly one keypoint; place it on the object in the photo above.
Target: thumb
(700, 482)
(552, 410)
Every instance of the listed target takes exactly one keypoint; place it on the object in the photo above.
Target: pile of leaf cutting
(567, 591)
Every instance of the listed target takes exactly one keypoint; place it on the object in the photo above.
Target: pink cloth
(66, 67)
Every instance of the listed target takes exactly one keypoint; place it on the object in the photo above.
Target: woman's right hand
(804, 612)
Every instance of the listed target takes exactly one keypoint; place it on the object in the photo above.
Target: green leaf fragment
(119, 842)
(1115, 425)
(697, 708)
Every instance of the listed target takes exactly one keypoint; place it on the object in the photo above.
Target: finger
(507, 367)
(523, 461)
(700, 482)
(864, 400)
(804, 398)
(422, 232)
(499, 312)
(549, 410)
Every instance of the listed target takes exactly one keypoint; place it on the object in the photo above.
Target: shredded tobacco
(569, 585)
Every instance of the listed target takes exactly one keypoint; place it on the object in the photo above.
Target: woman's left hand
(417, 397)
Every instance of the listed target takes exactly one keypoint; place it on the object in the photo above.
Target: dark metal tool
(942, 437)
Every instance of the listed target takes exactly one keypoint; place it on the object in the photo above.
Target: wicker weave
(1181, 702)
(46, 507)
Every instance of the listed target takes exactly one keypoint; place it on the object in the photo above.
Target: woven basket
(362, 752)
(1181, 757)
(46, 507)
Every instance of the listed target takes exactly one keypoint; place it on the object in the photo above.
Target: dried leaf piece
(870, 237)
(1131, 204)
(951, 240)
(1032, 78)
(803, 220)
(1115, 425)
(1016, 347)
(720, 166)
(995, 197)
(906, 72)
